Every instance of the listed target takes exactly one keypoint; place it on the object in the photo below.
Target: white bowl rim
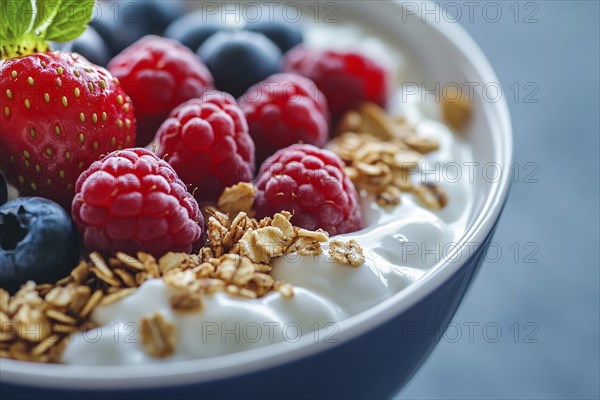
(228, 366)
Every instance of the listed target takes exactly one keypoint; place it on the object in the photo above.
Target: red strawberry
(58, 112)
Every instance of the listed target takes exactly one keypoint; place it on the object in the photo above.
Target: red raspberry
(311, 183)
(283, 110)
(133, 201)
(158, 74)
(207, 143)
(346, 78)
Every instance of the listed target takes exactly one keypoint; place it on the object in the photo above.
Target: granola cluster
(36, 322)
(239, 257)
(456, 108)
(382, 153)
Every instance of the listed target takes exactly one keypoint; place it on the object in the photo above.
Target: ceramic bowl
(376, 351)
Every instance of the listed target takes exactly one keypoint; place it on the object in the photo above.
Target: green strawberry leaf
(71, 19)
(23, 31)
(15, 18)
(45, 12)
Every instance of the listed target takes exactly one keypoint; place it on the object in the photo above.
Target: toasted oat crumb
(31, 323)
(130, 261)
(45, 345)
(119, 295)
(318, 236)
(126, 277)
(260, 283)
(157, 336)
(271, 241)
(305, 246)
(237, 198)
(422, 144)
(81, 273)
(60, 296)
(369, 118)
(5, 325)
(431, 195)
(172, 260)
(285, 289)
(60, 317)
(186, 303)
(179, 278)
(92, 303)
(389, 197)
(4, 298)
(456, 109)
(100, 264)
(241, 292)
(282, 222)
(346, 253)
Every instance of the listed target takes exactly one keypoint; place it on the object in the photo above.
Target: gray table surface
(553, 303)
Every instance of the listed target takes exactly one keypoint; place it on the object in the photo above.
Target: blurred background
(543, 293)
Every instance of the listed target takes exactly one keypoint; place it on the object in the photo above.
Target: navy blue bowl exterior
(374, 365)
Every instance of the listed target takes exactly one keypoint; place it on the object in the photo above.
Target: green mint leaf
(15, 18)
(69, 20)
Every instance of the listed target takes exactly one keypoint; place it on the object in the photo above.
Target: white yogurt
(400, 245)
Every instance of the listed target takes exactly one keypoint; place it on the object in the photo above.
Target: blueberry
(238, 60)
(158, 15)
(90, 45)
(37, 242)
(116, 33)
(284, 34)
(3, 190)
(193, 29)
(122, 23)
